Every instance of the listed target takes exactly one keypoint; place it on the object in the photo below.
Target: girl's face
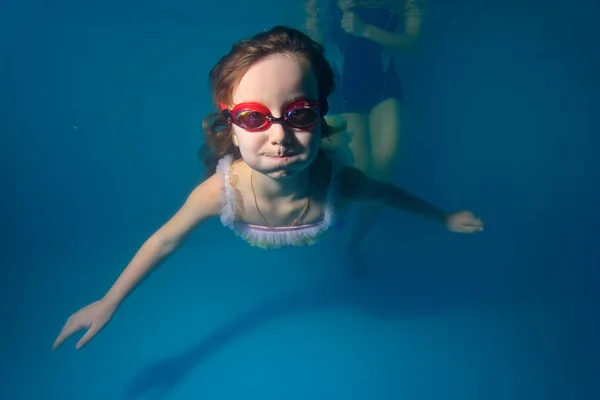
(281, 150)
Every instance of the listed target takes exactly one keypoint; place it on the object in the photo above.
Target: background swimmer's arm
(356, 186)
(409, 39)
(202, 203)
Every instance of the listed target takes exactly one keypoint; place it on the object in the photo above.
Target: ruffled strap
(228, 208)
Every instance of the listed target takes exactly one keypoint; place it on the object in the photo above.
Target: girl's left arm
(355, 186)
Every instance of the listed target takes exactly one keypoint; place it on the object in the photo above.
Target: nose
(279, 134)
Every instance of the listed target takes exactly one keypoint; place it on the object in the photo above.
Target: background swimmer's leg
(384, 128)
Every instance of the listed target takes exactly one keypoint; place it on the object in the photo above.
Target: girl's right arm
(203, 203)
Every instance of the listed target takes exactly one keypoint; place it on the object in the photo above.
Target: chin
(285, 172)
(285, 169)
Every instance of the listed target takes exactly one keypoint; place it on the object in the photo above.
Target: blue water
(100, 110)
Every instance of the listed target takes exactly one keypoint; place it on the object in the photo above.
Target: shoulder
(349, 181)
(203, 203)
(208, 198)
(326, 170)
(205, 199)
(229, 173)
(355, 185)
(352, 182)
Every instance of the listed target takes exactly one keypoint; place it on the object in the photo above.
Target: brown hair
(228, 72)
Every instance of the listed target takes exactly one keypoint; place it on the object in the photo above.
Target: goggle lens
(302, 114)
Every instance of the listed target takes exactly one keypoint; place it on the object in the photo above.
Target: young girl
(269, 180)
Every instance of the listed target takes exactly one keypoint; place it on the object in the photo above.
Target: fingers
(311, 9)
(87, 337)
(473, 224)
(347, 21)
(467, 222)
(71, 326)
(478, 223)
(347, 4)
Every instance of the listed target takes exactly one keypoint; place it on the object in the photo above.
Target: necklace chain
(304, 210)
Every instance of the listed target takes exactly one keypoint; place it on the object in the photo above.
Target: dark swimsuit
(363, 83)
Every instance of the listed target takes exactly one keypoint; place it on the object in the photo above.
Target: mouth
(284, 155)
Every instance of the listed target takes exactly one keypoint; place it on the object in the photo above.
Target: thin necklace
(302, 214)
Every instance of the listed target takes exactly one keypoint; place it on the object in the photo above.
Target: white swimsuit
(274, 237)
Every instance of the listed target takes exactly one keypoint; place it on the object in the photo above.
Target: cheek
(247, 141)
(239, 138)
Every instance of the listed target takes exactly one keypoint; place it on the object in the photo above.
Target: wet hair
(228, 72)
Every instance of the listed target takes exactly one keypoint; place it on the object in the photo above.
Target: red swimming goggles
(255, 117)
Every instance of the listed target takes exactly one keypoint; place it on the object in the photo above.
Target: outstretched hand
(93, 317)
(464, 222)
